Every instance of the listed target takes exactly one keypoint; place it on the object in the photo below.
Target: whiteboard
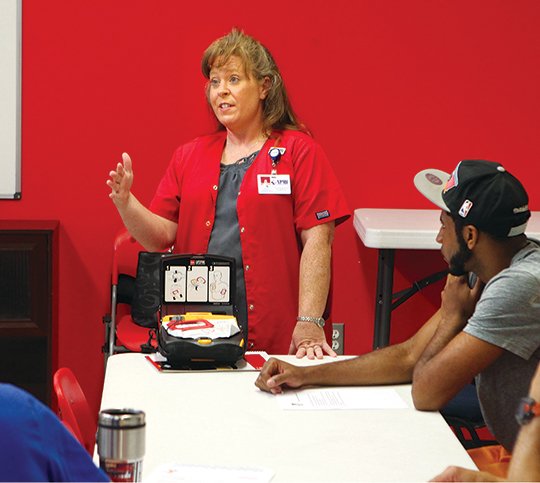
(10, 98)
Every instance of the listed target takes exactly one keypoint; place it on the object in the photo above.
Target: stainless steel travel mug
(120, 441)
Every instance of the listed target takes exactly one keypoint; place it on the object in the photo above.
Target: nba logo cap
(481, 192)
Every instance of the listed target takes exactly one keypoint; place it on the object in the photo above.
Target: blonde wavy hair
(258, 63)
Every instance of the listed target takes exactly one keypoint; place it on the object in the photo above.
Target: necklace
(237, 155)
(246, 159)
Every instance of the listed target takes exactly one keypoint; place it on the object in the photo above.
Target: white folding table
(391, 229)
(221, 418)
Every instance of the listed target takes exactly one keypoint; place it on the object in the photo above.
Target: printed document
(341, 398)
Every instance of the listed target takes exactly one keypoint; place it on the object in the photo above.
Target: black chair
(464, 416)
(132, 322)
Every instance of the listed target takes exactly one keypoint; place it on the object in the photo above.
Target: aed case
(192, 285)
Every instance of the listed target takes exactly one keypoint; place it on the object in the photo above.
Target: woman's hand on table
(309, 340)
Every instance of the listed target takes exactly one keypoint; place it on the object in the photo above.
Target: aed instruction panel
(199, 279)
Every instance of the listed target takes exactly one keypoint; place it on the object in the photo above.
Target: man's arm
(452, 358)
(525, 463)
(391, 365)
(439, 377)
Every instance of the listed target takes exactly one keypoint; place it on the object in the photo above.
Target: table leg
(383, 301)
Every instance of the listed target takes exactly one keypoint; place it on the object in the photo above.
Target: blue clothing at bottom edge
(36, 446)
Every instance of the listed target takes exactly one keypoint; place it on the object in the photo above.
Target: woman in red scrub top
(259, 189)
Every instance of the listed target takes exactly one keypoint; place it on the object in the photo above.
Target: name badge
(274, 184)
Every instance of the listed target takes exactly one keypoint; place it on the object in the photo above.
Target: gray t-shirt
(225, 236)
(508, 316)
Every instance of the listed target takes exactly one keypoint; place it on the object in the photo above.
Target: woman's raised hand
(121, 181)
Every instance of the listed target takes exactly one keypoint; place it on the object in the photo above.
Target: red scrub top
(270, 224)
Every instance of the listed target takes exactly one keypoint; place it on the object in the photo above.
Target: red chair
(73, 408)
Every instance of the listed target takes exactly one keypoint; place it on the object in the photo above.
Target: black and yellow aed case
(197, 317)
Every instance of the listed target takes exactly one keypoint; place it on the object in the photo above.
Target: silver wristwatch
(318, 321)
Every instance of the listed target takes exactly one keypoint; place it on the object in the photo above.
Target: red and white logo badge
(465, 208)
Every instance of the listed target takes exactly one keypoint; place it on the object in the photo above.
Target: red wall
(388, 87)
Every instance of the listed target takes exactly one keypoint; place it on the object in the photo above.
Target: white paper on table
(198, 474)
(341, 398)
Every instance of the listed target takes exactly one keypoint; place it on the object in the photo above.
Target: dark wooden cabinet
(28, 305)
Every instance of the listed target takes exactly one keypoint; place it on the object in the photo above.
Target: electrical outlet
(338, 337)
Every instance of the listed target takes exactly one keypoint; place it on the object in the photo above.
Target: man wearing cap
(490, 331)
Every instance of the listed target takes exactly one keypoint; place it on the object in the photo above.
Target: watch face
(525, 411)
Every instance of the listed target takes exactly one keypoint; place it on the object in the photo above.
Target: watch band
(527, 410)
(318, 321)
